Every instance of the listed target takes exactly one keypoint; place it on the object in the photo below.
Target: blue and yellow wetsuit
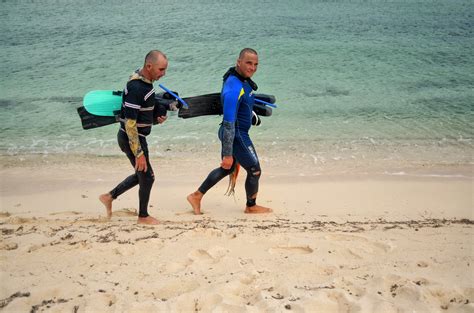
(237, 99)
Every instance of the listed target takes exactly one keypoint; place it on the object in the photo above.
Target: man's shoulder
(233, 82)
(139, 86)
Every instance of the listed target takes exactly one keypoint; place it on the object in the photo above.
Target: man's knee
(255, 171)
(149, 178)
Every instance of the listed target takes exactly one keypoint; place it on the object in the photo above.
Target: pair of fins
(102, 107)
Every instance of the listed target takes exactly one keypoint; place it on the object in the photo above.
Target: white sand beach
(335, 243)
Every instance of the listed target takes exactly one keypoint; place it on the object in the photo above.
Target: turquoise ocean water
(355, 81)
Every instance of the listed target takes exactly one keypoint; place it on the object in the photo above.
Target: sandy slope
(334, 244)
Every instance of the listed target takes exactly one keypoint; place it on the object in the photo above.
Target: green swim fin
(103, 102)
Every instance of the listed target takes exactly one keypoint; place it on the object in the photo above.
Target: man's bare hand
(140, 163)
(174, 106)
(161, 119)
(227, 162)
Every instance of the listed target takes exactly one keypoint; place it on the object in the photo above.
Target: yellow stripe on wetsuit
(242, 92)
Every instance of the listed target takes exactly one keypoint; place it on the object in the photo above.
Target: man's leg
(247, 157)
(128, 183)
(145, 181)
(213, 178)
(251, 189)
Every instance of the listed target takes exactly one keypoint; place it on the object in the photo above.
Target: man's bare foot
(256, 209)
(195, 200)
(107, 199)
(149, 220)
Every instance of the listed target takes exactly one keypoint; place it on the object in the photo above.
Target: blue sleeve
(231, 93)
(230, 96)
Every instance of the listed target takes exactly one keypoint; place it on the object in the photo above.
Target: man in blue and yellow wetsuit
(138, 114)
(237, 100)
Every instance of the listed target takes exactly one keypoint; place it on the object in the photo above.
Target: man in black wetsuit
(237, 100)
(138, 114)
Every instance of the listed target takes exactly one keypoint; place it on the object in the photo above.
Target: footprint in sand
(291, 249)
(19, 220)
(200, 256)
(214, 254)
(207, 232)
(367, 244)
(330, 301)
(187, 212)
(175, 267)
(175, 288)
(66, 213)
(422, 264)
(94, 220)
(8, 246)
(125, 212)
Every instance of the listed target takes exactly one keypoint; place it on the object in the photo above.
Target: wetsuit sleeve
(132, 103)
(228, 135)
(231, 94)
(132, 134)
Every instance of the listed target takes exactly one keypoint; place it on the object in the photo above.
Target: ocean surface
(355, 81)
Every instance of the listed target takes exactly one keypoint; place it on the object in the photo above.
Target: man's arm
(132, 134)
(132, 101)
(231, 94)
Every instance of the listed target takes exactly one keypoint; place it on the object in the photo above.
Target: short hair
(247, 50)
(153, 55)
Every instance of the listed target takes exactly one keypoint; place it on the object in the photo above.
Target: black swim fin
(264, 97)
(262, 110)
(210, 104)
(89, 120)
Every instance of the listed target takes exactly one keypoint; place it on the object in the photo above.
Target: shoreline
(299, 166)
(29, 185)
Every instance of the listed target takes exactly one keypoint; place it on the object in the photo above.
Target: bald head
(153, 56)
(155, 65)
(246, 50)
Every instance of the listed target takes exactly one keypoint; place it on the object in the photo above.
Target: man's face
(158, 69)
(247, 65)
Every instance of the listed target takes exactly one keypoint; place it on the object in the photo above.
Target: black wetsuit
(139, 105)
